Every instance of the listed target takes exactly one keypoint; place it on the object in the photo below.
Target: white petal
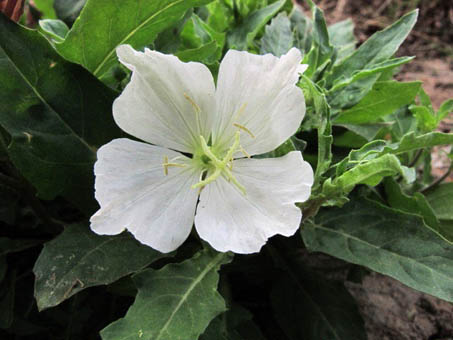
(231, 221)
(167, 102)
(258, 92)
(135, 194)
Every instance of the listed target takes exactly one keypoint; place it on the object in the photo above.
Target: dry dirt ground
(391, 310)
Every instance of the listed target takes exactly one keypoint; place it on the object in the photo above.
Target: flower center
(214, 166)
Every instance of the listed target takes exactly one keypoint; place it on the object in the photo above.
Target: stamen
(245, 152)
(242, 127)
(191, 101)
(207, 151)
(221, 167)
(166, 165)
(229, 156)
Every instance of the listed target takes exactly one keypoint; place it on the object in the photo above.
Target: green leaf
(321, 52)
(426, 120)
(105, 24)
(385, 98)
(56, 113)
(302, 28)
(310, 307)
(234, 324)
(78, 259)
(244, 34)
(278, 37)
(445, 109)
(411, 142)
(342, 38)
(416, 204)
(199, 54)
(221, 16)
(176, 302)
(374, 69)
(68, 10)
(367, 131)
(46, 8)
(387, 241)
(197, 35)
(378, 48)
(321, 120)
(54, 28)
(441, 200)
(369, 172)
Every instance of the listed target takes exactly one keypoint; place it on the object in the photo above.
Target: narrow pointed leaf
(441, 199)
(378, 48)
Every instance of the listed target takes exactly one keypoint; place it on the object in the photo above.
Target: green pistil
(221, 167)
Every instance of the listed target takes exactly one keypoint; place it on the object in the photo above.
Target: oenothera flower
(202, 138)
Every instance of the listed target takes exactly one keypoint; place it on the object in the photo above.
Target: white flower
(153, 190)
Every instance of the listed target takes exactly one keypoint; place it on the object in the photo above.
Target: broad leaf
(234, 324)
(384, 99)
(176, 302)
(243, 35)
(387, 241)
(441, 199)
(310, 307)
(416, 204)
(105, 24)
(56, 113)
(78, 259)
(278, 37)
(342, 38)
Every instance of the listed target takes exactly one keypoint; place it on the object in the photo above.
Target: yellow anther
(191, 101)
(166, 165)
(242, 127)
